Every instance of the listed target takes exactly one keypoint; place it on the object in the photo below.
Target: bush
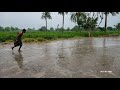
(34, 36)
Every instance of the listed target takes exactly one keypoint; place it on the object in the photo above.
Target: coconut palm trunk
(105, 21)
(63, 23)
(63, 14)
(46, 15)
(46, 24)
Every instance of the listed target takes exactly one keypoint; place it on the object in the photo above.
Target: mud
(74, 58)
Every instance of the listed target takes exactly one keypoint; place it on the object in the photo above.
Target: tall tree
(46, 15)
(106, 16)
(78, 17)
(90, 22)
(63, 14)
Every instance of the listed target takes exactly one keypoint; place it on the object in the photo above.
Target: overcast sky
(33, 20)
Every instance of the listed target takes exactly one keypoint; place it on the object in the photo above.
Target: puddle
(76, 58)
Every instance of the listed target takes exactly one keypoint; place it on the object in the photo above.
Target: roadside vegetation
(87, 26)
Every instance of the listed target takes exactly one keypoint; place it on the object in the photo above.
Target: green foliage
(117, 26)
(51, 29)
(41, 39)
(46, 15)
(44, 36)
(90, 23)
(78, 17)
(1, 28)
(9, 29)
(109, 28)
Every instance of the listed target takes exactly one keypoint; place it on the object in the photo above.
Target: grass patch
(8, 41)
(29, 40)
(39, 36)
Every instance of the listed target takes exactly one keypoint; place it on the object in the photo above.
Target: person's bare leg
(13, 47)
(19, 47)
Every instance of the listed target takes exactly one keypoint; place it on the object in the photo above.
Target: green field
(43, 36)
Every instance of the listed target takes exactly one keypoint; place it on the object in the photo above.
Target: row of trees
(84, 20)
(9, 28)
(75, 28)
(87, 20)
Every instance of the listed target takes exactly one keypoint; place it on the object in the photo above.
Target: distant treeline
(43, 28)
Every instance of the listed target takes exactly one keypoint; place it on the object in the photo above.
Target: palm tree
(78, 17)
(63, 14)
(46, 15)
(106, 15)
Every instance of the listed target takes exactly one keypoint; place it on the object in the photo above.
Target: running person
(18, 41)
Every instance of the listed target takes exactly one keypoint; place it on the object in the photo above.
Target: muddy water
(74, 58)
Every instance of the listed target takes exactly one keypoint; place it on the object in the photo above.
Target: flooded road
(73, 58)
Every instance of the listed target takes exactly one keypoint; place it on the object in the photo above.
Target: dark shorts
(18, 42)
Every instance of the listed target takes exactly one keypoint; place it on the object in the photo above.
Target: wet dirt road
(73, 58)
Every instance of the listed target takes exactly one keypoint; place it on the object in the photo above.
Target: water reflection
(104, 43)
(62, 55)
(61, 50)
(106, 60)
(18, 58)
(84, 48)
(73, 58)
